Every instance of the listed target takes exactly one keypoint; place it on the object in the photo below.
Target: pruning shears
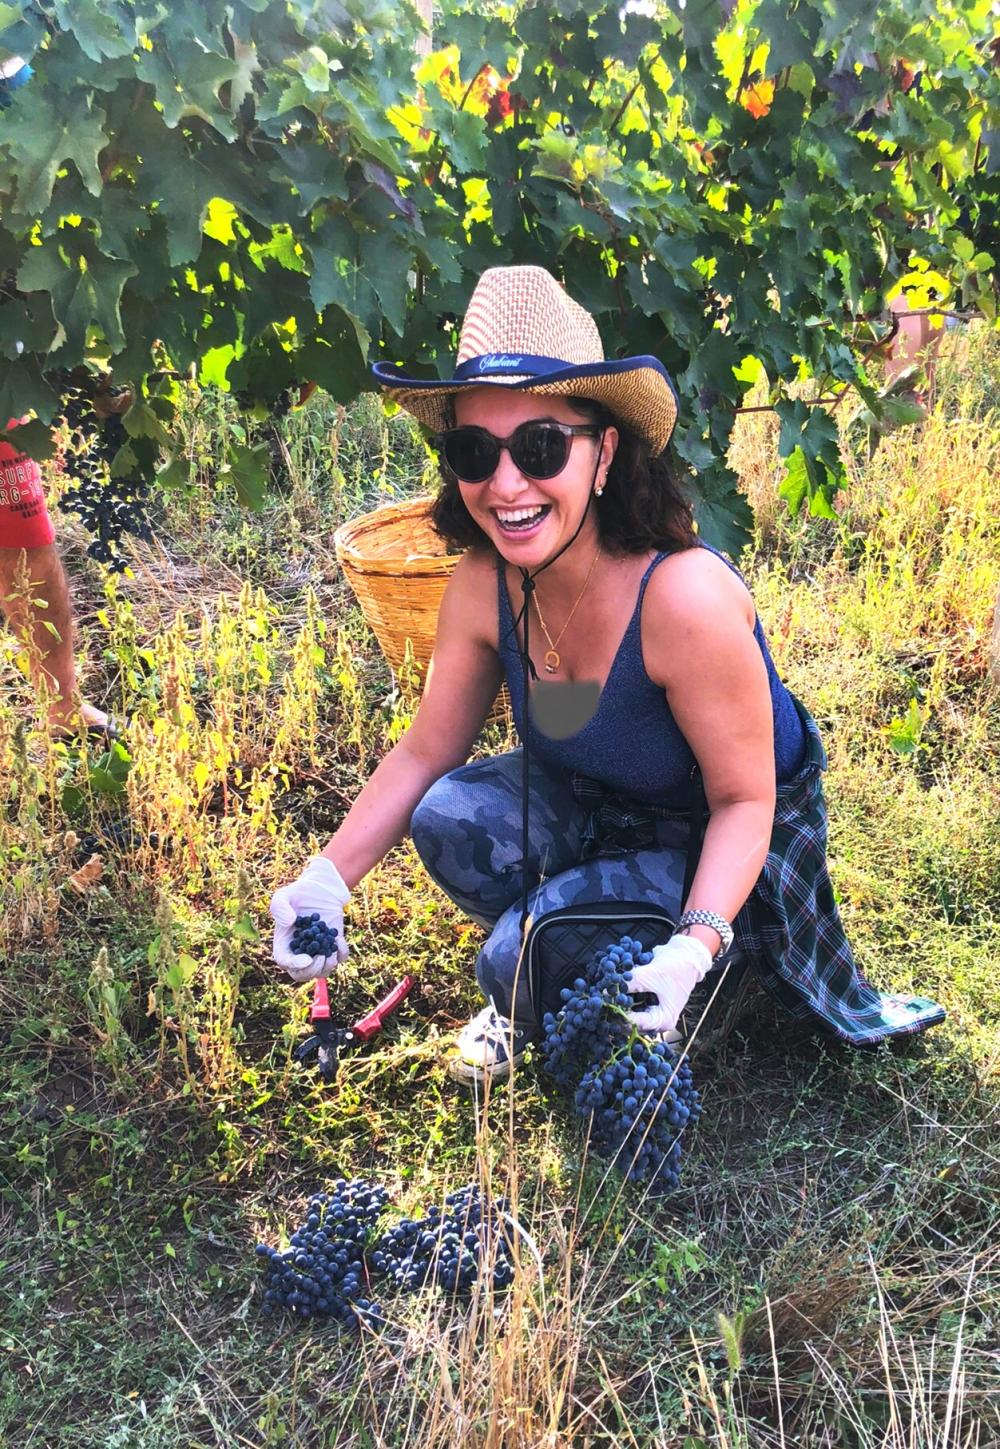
(328, 1041)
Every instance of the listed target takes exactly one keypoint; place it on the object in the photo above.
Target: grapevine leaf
(175, 473)
(316, 173)
(100, 28)
(792, 37)
(25, 328)
(336, 361)
(249, 468)
(190, 84)
(181, 186)
(794, 487)
(124, 464)
(338, 275)
(379, 177)
(41, 134)
(464, 135)
(247, 66)
(34, 437)
(142, 422)
(388, 262)
(721, 512)
(85, 290)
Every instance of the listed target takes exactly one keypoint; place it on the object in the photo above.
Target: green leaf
(23, 389)
(100, 27)
(189, 82)
(722, 513)
(794, 487)
(335, 361)
(464, 136)
(214, 365)
(125, 463)
(250, 468)
(245, 930)
(72, 800)
(141, 422)
(901, 412)
(175, 473)
(85, 290)
(791, 34)
(904, 733)
(339, 274)
(181, 184)
(41, 133)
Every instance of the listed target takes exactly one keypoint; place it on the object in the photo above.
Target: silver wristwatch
(716, 922)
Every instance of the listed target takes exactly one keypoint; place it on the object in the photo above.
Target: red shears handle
(372, 1024)
(321, 1000)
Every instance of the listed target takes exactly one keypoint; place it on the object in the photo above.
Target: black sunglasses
(540, 449)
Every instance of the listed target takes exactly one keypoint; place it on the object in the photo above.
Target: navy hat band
(497, 364)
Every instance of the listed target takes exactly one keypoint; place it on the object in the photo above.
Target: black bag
(560, 943)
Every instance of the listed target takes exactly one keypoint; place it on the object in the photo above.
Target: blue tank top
(632, 743)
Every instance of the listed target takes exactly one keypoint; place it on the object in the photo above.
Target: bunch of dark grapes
(323, 1272)
(636, 1095)
(278, 409)
(311, 936)
(108, 507)
(269, 431)
(328, 1268)
(639, 1103)
(449, 1248)
(590, 1023)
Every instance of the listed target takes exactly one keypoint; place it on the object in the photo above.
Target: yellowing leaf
(758, 98)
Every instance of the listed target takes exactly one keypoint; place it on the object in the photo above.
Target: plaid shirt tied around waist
(790, 928)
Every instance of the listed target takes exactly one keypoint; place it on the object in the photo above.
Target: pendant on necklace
(551, 662)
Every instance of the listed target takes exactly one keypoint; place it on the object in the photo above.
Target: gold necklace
(552, 655)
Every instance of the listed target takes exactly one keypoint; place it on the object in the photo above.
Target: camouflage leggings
(467, 832)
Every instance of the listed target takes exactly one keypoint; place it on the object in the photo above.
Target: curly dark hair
(643, 505)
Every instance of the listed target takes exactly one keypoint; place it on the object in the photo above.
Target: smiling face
(526, 519)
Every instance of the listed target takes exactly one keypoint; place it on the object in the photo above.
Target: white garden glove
(320, 888)
(671, 976)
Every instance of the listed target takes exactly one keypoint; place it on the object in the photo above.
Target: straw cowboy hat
(522, 331)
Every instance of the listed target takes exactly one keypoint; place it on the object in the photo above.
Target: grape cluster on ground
(450, 1248)
(333, 1258)
(636, 1094)
(311, 936)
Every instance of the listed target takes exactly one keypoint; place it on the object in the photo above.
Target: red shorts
(24, 518)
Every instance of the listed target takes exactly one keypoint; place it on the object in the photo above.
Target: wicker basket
(397, 568)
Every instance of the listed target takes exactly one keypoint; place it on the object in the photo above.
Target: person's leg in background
(34, 592)
(40, 614)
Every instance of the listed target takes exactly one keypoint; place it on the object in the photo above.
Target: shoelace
(495, 1030)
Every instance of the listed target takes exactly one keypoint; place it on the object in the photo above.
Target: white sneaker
(489, 1046)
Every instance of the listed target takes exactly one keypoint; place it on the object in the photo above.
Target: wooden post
(425, 9)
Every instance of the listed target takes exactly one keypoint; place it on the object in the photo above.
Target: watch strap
(715, 922)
